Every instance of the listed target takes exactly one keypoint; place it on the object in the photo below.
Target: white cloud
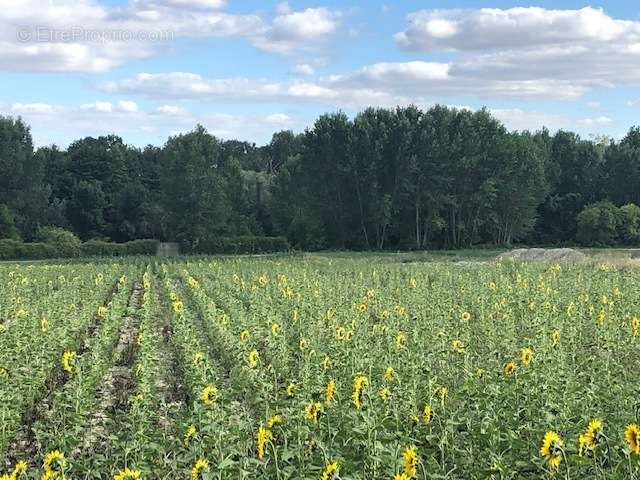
(90, 36)
(195, 4)
(518, 119)
(303, 69)
(519, 27)
(569, 51)
(283, 8)
(306, 29)
(67, 123)
(128, 106)
(171, 110)
(280, 119)
(33, 109)
(602, 120)
(104, 107)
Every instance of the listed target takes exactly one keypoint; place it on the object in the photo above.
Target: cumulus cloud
(572, 50)
(381, 84)
(279, 119)
(303, 69)
(519, 119)
(67, 123)
(602, 120)
(90, 36)
(291, 30)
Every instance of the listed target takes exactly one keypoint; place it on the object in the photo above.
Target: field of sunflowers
(325, 368)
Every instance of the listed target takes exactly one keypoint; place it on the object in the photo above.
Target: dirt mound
(543, 255)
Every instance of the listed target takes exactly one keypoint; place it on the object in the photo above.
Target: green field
(322, 366)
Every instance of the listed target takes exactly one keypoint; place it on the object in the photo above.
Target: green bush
(599, 224)
(66, 242)
(66, 248)
(99, 248)
(240, 245)
(17, 250)
(629, 231)
(142, 247)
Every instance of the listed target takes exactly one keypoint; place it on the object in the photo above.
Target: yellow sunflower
(209, 395)
(526, 355)
(329, 470)
(200, 465)
(509, 368)
(632, 436)
(551, 449)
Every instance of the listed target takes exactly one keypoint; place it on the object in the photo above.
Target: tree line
(399, 178)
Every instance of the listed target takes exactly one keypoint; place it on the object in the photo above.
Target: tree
(7, 224)
(598, 224)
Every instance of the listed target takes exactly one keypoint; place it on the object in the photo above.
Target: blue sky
(247, 69)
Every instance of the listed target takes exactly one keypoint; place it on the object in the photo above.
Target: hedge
(16, 250)
(240, 245)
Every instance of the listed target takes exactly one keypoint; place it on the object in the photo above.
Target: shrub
(17, 250)
(142, 247)
(598, 224)
(66, 242)
(99, 248)
(240, 245)
(629, 231)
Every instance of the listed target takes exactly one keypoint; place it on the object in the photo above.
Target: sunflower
(302, 344)
(401, 340)
(551, 449)
(312, 410)
(593, 431)
(291, 389)
(329, 391)
(264, 435)
(176, 306)
(209, 395)
(44, 325)
(197, 359)
(329, 470)
(21, 467)
(509, 368)
(442, 394)
(200, 465)
(252, 358)
(388, 374)
(383, 393)
(358, 385)
(632, 436)
(555, 337)
(274, 420)
(466, 316)
(457, 346)
(635, 324)
(244, 335)
(67, 361)
(526, 355)
(127, 474)
(427, 413)
(410, 462)
(189, 434)
(275, 329)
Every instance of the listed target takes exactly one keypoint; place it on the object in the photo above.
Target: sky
(148, 69)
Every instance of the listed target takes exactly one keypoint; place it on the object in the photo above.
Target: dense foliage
(401, 178)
